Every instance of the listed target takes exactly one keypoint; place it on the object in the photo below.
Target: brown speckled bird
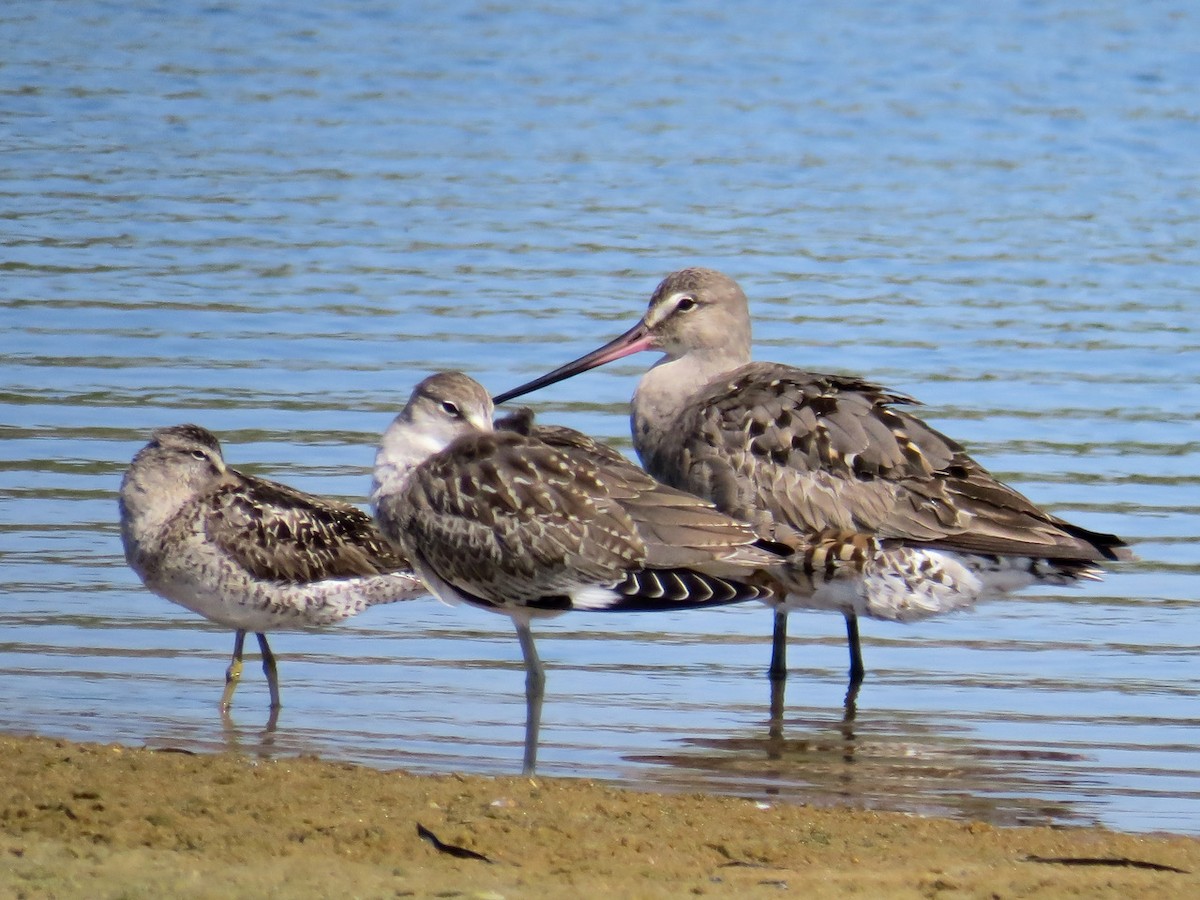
(890, 518)
(529, 527)
(247, 553)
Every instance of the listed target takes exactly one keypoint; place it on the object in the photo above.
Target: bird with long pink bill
(833, 465)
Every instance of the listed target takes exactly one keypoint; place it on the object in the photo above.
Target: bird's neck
(149, 500)
(666, 391)
(401, 450)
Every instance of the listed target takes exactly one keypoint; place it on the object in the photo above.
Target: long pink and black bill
(636, 339)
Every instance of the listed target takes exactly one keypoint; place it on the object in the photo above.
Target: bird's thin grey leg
(857, 670)
(778, 670)
(234, 673)
(268, 664)
(535, 689)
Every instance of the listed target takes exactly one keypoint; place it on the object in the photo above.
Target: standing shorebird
(831, 465)
(247, 553)
(513, 524)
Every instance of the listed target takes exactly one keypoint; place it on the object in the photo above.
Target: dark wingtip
(1109, 546)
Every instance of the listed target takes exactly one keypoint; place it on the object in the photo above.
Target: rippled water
(273, 223)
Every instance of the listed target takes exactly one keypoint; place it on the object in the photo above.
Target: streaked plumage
(247, 553)
(516, 524)
(522, 422)
(894, 519)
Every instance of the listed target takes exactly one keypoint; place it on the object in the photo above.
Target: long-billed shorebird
(247, 553)
(832, 465)
(511, 523)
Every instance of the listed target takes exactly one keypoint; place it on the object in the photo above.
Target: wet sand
(81, 820)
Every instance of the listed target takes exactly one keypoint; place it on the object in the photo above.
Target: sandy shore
(79, 820)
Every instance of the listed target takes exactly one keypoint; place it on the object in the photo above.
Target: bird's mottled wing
(807, 453)
(784, 448)
(1001, 520)
(506, 518)
(282, 534)
(678, 528)
(681, 529)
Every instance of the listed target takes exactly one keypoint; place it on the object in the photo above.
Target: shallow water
(275, 227)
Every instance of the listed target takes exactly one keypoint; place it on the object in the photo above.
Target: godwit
(830, 464)
(508, 522)
(247, 553)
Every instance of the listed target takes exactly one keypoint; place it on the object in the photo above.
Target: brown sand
(79, 820)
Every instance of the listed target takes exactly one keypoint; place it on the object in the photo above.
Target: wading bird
(247, 553)
(515, 524)
(833, 465)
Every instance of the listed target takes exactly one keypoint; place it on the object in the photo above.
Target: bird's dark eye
(199, 454)
(450, 409)
(685, 304)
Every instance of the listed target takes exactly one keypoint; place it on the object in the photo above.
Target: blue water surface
(273, 222)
